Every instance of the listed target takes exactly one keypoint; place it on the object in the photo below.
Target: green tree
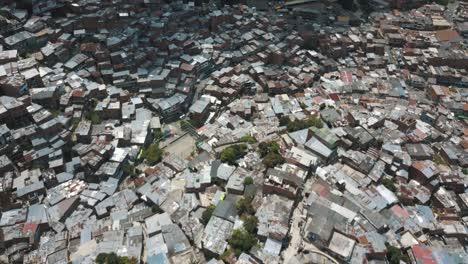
(465, 171)
(242, 241)
(267, 147)
(112, 258)
(207, 214)
(129, 169)
(394, 255)
(101, 258)
(93, 117)
(153, 153)
(248, 180)
(301, 124)
(250, 224)
(232, 153)
(244, 206)
(228, 155)
(158, 134)
(273, 159)
(389, 184)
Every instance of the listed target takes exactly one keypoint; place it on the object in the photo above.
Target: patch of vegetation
(153, 154)
(269, 151)
(389, 184)
(112, 258)
(272, 159)
(55, 112)
(207, 214)
(268, 147)
(248, 180)
(93, 117)
(296, 125)
(465, 171)
(226, 255)
(242, 241)
(158, 134)
(232, 153)
(248, 139)
(250, 224)
(184, 124)
(394, 255)
(438, 159)
(244, 206)
(74, 123)
(129, 169)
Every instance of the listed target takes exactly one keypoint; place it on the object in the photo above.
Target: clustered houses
(353, 133)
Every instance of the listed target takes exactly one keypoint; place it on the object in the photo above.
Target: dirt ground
(184, 147)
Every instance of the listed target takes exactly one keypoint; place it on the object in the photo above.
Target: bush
(232, 153)
(465, 171)
(153, 153)
(248, 181)
(207, 214)
(242, 241)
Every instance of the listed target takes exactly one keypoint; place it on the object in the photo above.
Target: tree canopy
(248, 180)
(250, 224)
(242, 241)
(112, 258)
(153, 153)
(232, 153)
(244, 206)
(270, 153)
